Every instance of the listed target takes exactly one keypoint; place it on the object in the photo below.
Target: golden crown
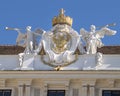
(62, 19)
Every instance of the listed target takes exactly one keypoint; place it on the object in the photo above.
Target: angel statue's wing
(21, 39)
(39, 31)
(37, 36)
(84, 34)
(38, 39)
(104, 31)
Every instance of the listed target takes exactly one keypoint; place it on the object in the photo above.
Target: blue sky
(39, 14)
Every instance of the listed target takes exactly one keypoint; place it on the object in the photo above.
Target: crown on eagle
(62, 19)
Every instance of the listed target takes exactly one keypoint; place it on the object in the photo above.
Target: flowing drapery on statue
(93, 38)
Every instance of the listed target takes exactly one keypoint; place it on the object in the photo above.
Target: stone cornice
(61, 74)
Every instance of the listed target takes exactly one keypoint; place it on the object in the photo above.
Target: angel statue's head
(93, 28)
(28, 28)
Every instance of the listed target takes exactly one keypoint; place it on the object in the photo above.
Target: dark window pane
(1, 93)
(111, 93)
(116, 93)
(106, 93)
(61, 93)
(56, 93)
(5, 92)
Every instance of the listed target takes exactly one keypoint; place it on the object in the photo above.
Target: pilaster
(20, 90)
(84, 89)
(24, 87)
(45, 89)
(66, 89)
(2, 82)
(88, 87)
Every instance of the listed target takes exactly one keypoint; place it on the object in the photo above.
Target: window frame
(102, 89)
(8, 88)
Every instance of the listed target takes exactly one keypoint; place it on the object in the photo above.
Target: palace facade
(60, 65)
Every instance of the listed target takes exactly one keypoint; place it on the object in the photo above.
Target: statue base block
(28, 62)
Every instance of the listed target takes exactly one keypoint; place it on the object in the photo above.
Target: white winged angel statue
(28, 39)
(93, 38)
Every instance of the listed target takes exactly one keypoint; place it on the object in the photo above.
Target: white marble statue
(31, 43)
(28, 39)
(93, 38)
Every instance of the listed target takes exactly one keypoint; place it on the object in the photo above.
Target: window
(5, 92)
(111, 93)
(56, 93)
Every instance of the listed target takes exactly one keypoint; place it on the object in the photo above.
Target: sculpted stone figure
(93, 38)
(31, 40)
(28, 39)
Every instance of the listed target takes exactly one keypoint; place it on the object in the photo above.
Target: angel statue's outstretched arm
(21, 36)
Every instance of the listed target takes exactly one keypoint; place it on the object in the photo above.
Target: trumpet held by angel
(93, 38)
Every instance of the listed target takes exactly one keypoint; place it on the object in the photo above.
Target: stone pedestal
(28, 62)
